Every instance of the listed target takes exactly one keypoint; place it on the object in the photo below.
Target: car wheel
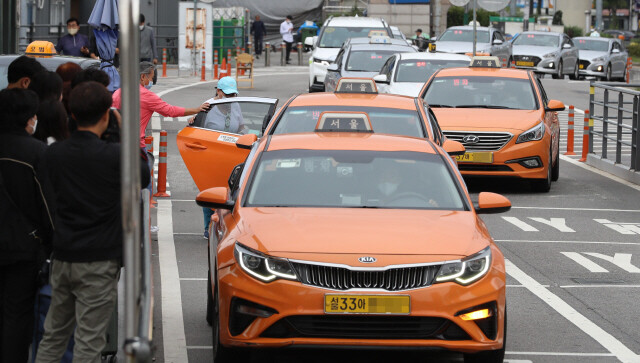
(210, 311)
(543, 185)
(576, 73)
(609, 72)
(221, 354)
(491, 356)
(555, 171)
(558, 74)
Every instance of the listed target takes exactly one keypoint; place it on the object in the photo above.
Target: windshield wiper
(486, 106)
(441, 106)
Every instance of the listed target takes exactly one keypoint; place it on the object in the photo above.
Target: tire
(558, 74)
(543, 185)
(221, 354)
(210, 307)
(576, 73)
(491, 356)
(609, 79)
(555, 171)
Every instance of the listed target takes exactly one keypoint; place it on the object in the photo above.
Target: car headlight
(599, 59)
(468, 270)
(264, 268)
(320, 61)
(533, 134)
(550, 55)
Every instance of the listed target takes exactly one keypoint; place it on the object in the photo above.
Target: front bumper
(296, 303)
(594, 69)
(546, 66)
(317, 72)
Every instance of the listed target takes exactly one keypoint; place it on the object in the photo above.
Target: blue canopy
(104, 19)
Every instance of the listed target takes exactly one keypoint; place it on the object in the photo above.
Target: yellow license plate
(524, 64)
(477, 157)
(367, 304)
(581, 66)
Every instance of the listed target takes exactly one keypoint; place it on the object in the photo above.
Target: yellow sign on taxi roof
(356, 85)
(344, 122)
(41, 48)
(377, 33)
(485, 62)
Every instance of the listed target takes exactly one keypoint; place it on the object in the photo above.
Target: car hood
(591, 54)
(468, 119)
(411, 89)
(326, 53)
(460, 47)
(329, 231)
(532, 50)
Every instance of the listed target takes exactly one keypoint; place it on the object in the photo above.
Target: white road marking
(193, 279)
(563, 354)
(585, 262)
(610, 343)
(155, 123)
(600, 286)
(623, 228)
(558, 223)
(600, 172)
(581, 209)
(520, 224)
(173, 337)
(579, 242)
(622, 260)
(199, 347)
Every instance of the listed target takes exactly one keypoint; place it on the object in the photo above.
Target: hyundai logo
(470, 139)
(367, 259)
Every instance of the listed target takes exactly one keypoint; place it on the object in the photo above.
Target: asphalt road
(573, 255)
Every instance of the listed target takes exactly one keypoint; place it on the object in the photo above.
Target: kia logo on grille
(367, 259)
(470, 139)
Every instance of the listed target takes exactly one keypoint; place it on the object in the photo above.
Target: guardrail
(616, 106)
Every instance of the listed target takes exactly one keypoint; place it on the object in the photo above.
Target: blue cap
(227, 85)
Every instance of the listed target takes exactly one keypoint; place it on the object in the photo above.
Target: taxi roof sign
(485, 62)
(41, 48)
(432, 47)
(356, 85)
(378, 33)
(380, 40)
(330, 121)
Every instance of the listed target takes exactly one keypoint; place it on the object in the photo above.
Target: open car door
(208, 146)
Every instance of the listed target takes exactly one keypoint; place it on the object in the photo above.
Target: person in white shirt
(286, 29)
(594, 33)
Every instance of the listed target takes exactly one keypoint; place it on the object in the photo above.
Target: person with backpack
(25, 222)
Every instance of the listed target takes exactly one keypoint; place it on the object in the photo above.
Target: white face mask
(387, 188)
(141, 27)
(35, 125)
(72, 31)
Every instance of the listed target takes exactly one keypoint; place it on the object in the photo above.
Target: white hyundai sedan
(406, 73)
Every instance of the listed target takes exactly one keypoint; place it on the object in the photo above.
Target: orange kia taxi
(206, 150)
(346, 237)
(502, 117)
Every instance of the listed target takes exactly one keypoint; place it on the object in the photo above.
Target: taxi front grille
(486, 141)
(527, 58)
(342, 278)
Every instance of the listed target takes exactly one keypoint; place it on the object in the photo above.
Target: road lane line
(173, 337)
(599, 286)
(520, 224)
(558, 223)
(584, 262)
(563, 354)
(617, 348)
(193, 279)
(600, 172)
(199, 347)
(583, 242)
(581, 209)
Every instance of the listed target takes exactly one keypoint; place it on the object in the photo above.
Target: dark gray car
(546, 53)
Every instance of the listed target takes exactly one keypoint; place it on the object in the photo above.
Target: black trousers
(155, 73)
(288, 44)
(257, 43)
(18, 284)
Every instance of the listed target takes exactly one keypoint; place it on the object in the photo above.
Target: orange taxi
(347, 237)
(503, 118)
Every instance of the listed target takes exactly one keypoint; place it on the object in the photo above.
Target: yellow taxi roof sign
(432, 47)
(485, 62)
(41, 48)
(331, 121)
(356, 85)
(377, 33)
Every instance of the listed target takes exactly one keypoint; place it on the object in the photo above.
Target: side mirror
(497, 42)
(381, 78)
(489, 203)
(566, 46)
(234, 178)
(554, 105)
(332, 67)
(615, 51)
(453, 148)
(215, 198)
(246, 141)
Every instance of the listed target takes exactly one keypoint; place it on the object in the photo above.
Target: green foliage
(634, 49)
(573, 31)
(455, 16)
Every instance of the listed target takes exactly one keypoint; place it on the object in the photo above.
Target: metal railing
(616, 106)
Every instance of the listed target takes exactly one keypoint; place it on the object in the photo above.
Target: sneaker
(206, 234)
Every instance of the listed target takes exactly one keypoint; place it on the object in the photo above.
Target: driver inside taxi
(391, 189)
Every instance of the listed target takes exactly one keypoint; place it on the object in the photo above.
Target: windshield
(333, 37)
(383, 120)
(588, 44)
(481, 92)
(540, 40)
(415, 70)
(353, 179)
(367, 60)
(464, 35)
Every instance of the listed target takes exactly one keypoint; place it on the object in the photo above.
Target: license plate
(367, 304)
(477, 157)
(524, 64)
(581, 66)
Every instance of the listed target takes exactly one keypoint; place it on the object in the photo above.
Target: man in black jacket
(87, 244)
(259, 31)
(25, 224)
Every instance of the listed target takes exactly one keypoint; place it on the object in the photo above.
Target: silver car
(459, 39)
(363, 57)
(603, 58)
(546, 53)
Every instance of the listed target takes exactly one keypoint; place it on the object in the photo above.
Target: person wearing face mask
(148, 49)
(286, 29)
(26, 228)
(73, 44)
(391, 190)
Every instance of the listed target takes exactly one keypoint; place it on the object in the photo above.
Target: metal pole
(474, 27)
(599, 14)
(282, 51)
(195, 59)
(587, 22)
(129, 12)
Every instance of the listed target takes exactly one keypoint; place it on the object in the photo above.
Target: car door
(387, 70)
(209, 152)
(500, 50)
(569, 55)
(617, 59)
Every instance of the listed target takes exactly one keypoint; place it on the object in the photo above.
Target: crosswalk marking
(520, 224)
(623, 228)
(557, 223)
(622, 260)
(585, 262)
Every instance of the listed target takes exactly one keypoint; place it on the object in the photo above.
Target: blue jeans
(208, 212)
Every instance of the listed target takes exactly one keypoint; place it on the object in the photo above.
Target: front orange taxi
(353, 239)
(504, 120)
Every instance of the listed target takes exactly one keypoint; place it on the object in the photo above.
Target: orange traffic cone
(223, 69)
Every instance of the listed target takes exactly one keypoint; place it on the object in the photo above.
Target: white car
(335, 31)
(406, 73)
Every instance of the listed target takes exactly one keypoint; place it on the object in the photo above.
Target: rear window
(367, 60)
(333, 37)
